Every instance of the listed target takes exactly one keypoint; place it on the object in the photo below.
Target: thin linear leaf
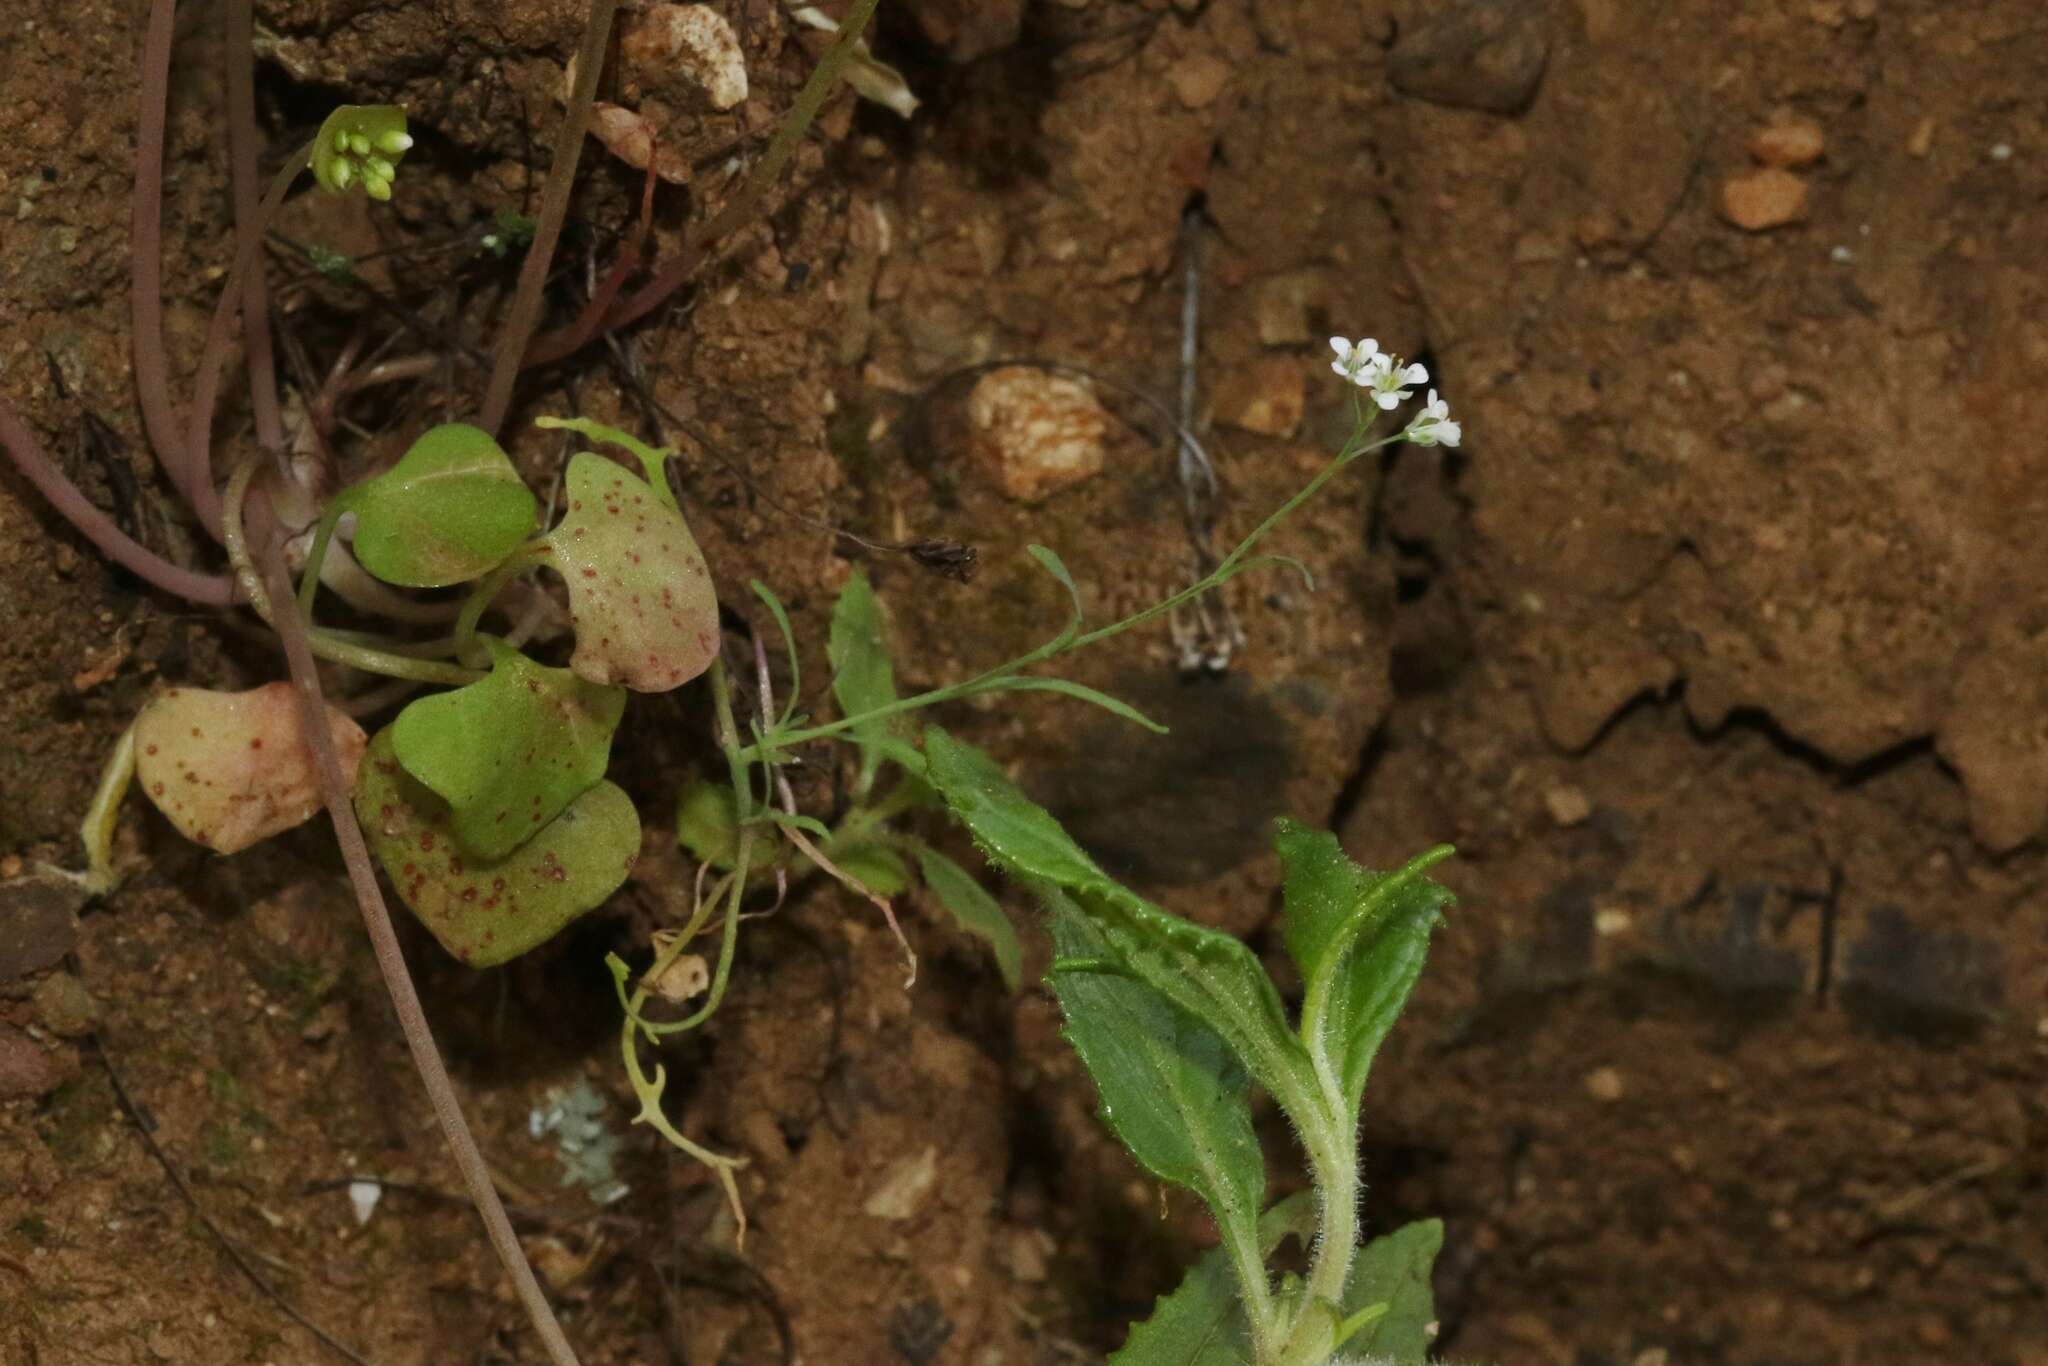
(450, 510)
(509, 752)
(1394, 1271)
(1359, 938)
(976, 911)
(1210, 975)
(1068, 688)
(781, 615)
(486, 912)
(1172, 1090)
(1053, 565)
(862, 677)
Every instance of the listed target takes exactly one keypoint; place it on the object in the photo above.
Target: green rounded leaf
(449, 511)
(640, 594)
(509, 752)
(487, 912)
(230, 769)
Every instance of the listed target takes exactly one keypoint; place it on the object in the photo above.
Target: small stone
(1760, 200)
(1198, 79)
(1030, 1255)
(968, 30)
(27, 1069)
(903, 1188)
(1568, 805)
(1789, 142)
(1487, 55)
(1921, 141)
(38, 924)
(1036, 433)
(64, 1007)
(1266, 396)
(1285, 305)
(1604, 1083)
(693, 39)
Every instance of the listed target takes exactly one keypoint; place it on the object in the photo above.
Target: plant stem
(146, 249)
(238, 47)
(1331, 1139)
(208, 590)
(198, 455)
(672, 273)
(554, 207)
(405, 1001)
(324, 644)
(1229, 566)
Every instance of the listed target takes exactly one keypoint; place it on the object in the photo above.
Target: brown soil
(1720, 650)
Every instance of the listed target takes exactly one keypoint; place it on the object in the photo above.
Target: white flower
(1354, 361)
(1433, 426)
(1388, 379)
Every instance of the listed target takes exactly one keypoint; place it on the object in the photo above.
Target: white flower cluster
(1388, 381)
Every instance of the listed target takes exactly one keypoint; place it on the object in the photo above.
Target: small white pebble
(362, 1198)
(2001, 151)
(1841, 256)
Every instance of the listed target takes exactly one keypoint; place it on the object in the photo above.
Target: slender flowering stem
(198, 457)
(208, 590)
(554, 207)
(671, 274)
(405, 1000)
(146, 250)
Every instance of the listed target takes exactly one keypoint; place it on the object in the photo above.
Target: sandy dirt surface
(1720, 649)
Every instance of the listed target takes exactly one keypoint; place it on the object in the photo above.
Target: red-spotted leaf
(450, 510)
(486, 912)
(510, 751)
(231, 768)
(645, 612)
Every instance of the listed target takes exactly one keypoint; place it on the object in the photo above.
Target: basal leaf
(708, 827)
(1172, 1090)
(862, 677)
(1202, 1323)
(486, 912)
(1394, 1271)
(1209, 975)
(876, 867)
(449, 511)
(1359, 938)
(230, 768)
(645, 612)
(976, 911)
(509, 752)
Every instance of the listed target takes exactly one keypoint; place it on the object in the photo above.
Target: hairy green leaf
(1210, 975)
(450, 510)
(976, 911)
(1172, 1090)
(640, 596)
(862, 677)
(1359, 938)
(1203, 1321)
(509, 752)
(1394, 1271)
(486, 912)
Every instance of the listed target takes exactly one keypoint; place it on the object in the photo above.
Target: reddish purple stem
(212, 590)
